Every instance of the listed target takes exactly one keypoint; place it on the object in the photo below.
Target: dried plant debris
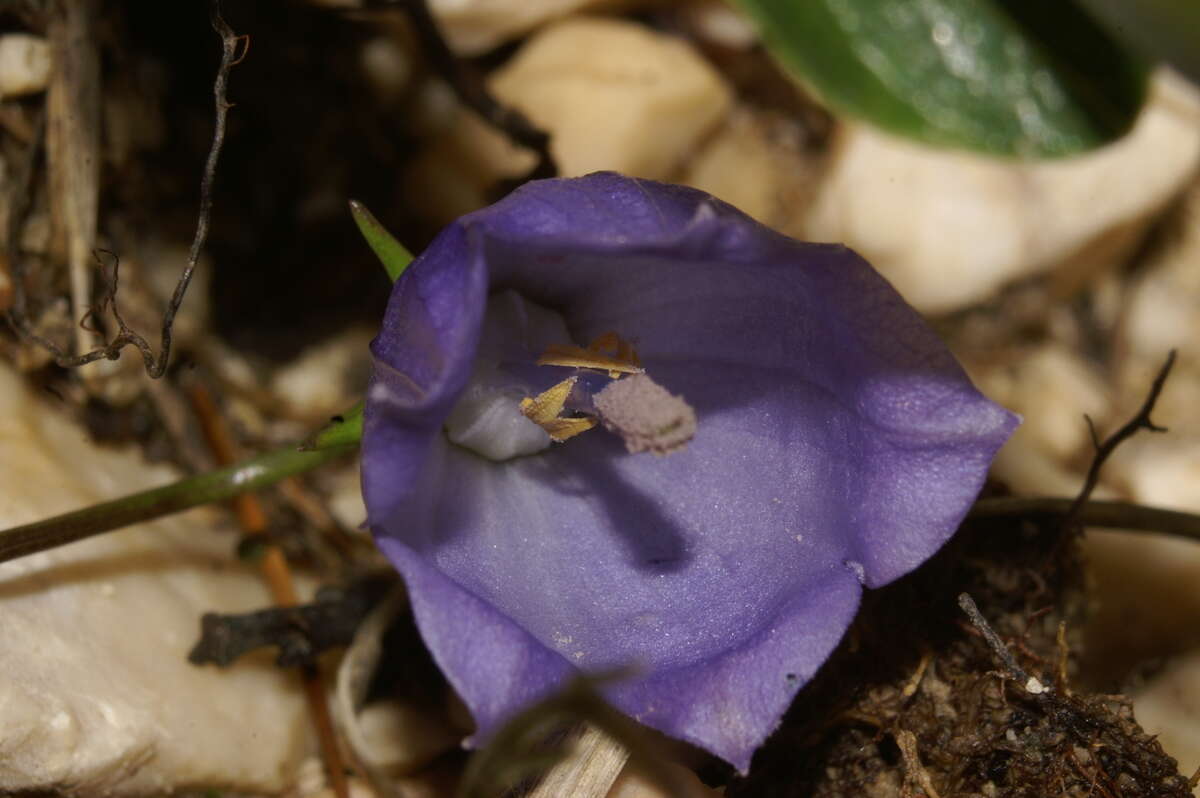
(915, 702)
(300, 633)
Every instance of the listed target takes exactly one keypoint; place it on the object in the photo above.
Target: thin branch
(1141, 420)
(232, 52)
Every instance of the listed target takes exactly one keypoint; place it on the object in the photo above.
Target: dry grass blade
(73, 149)
(588, 771)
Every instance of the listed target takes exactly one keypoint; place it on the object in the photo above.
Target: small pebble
(24, 64)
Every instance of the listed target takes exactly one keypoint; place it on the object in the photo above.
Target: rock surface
(97, 695)
(611, 94)
(475, 26)
(949, 228)
(24, 64)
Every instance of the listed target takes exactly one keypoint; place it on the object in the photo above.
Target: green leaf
(1035, 78)
(1162, 29)
(391, 253)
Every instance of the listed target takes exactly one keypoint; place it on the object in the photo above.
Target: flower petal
(839, 444)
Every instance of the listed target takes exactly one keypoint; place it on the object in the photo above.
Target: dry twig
(1141, 420)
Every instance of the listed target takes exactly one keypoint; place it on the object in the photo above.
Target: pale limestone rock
(391, 738)
(719, 22)
(472, 27)
(1160, 470)
(1163, 313)
(312, 782)
(1169, 708)
(754, 162)
(400, 738)
(1148, 605)
(387, 67)
(611, 94)
(949, 228)
(614, 95)
(475, 26)
(1148, 608)
(1146, 602)
(97, 695)
(344, 497)
(325, 378)
(24, 64)
(1053, 389)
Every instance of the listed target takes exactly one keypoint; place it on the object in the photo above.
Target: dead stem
(233, 49)
(73, 149)
(914, 682)
(1110, 514)
(253, 520)
(1030, 683)
(588, 771)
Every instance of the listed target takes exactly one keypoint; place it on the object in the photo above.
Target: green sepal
(391, 253)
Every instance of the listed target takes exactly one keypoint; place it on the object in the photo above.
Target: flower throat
(506, 411)
(633, 406)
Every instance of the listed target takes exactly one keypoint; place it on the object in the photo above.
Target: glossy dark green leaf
(1035, 78)
(1162, 29)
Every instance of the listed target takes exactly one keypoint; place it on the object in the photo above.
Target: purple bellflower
(835, 444)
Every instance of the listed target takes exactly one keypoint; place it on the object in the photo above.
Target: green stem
(214, 486)
(267, 469)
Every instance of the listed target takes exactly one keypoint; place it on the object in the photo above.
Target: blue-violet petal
(838, 446)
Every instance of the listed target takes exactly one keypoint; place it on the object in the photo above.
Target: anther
(608, 353)
(544, 410)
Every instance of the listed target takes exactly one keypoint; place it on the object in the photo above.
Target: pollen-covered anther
(645, 415)
(544, 410)
(608, 353)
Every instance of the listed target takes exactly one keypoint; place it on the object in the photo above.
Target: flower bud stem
(214, 486)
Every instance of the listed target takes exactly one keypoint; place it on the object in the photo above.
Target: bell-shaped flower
(616, 423)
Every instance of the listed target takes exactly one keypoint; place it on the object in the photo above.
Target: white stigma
(487, 418)
(645, 415)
